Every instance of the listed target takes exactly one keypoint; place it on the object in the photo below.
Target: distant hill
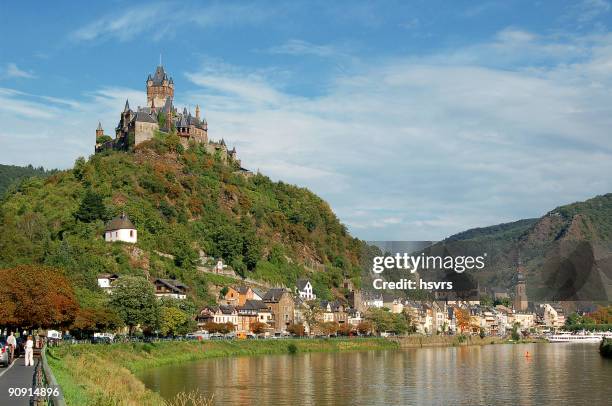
(190, 208)
(570, 245)
(10, 174)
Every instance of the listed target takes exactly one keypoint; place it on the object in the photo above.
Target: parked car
(5, 353)
(198, 335)
(101, 340)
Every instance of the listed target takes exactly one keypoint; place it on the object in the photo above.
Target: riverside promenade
(16, 376)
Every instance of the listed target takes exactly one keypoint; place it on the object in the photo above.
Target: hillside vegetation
(187, 205)
(10, 174)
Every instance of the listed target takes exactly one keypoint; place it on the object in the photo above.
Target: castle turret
(99, 131)
(159, 87)
(197, 111)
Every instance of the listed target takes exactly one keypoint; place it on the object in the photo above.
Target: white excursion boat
(579, 337)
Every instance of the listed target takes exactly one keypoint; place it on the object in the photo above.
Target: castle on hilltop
(160, 115)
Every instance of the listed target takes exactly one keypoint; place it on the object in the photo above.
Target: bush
(605, 348)
(292, 348)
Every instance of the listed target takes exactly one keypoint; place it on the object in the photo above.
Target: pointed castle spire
(127, 106)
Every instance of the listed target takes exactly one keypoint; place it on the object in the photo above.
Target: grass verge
(101, 375)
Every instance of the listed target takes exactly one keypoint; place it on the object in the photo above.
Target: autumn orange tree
(89, 320)
(463, 319)
(258, 327)
(33, 296)
(297, 329)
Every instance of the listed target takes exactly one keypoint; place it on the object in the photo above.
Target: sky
(415, 120)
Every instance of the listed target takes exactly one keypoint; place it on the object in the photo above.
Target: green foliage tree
(384, 321)
(91, 208)
(173, 321)
(134, 301)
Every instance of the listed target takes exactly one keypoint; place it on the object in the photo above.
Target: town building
(551, 316)
(170, 288)
(254, 311)
(106, 280)
(372, 299)
(280, 302)
(122, 229)
(304, 289)
(232, 296)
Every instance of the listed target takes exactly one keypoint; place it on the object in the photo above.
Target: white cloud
(440, 146)
(300, 47)
(402, 148)
(587, 10)
(12, 71)
(161, 19)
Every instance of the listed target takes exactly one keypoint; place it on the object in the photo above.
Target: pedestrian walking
(29, 352)
(12, 342)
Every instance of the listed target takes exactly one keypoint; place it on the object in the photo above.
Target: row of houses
(454, 317)
(277, 308)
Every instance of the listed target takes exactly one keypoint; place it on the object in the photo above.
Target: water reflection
(496, 374)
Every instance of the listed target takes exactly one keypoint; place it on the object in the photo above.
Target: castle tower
(99, 131)
(159, 87)
(197, 111)
(520, 290)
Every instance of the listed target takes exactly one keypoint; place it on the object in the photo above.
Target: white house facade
(121, 229)
(304, 290)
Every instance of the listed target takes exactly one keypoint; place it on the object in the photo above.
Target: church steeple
(99, 130)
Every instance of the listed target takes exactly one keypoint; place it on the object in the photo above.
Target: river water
(554, 374)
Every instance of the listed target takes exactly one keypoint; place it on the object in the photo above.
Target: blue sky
(414, 119)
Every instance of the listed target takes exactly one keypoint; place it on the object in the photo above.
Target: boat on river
(579, 337)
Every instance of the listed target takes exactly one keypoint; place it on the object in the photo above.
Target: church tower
(99, 131)
(159, 88)
(520, 290)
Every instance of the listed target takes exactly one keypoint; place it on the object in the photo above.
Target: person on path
(12, 342)
(29, 352)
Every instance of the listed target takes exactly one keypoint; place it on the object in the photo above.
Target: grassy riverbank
(420, 341)
(105, 374)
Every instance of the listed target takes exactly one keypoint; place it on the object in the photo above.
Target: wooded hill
(10, 174)
(575, 239)
(186, 205)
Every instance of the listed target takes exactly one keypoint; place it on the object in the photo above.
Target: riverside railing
(45, 390)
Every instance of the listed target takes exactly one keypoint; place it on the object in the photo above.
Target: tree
(297, 329)
(463, 319)
(211, 327)
(173, 321)
(515, 333)
(135, 302)
(312, 314)
(328, 328)
(258, 327)
(91, 208)
(364, 327)
(89, 320)
(345, 329)
(33, 296)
